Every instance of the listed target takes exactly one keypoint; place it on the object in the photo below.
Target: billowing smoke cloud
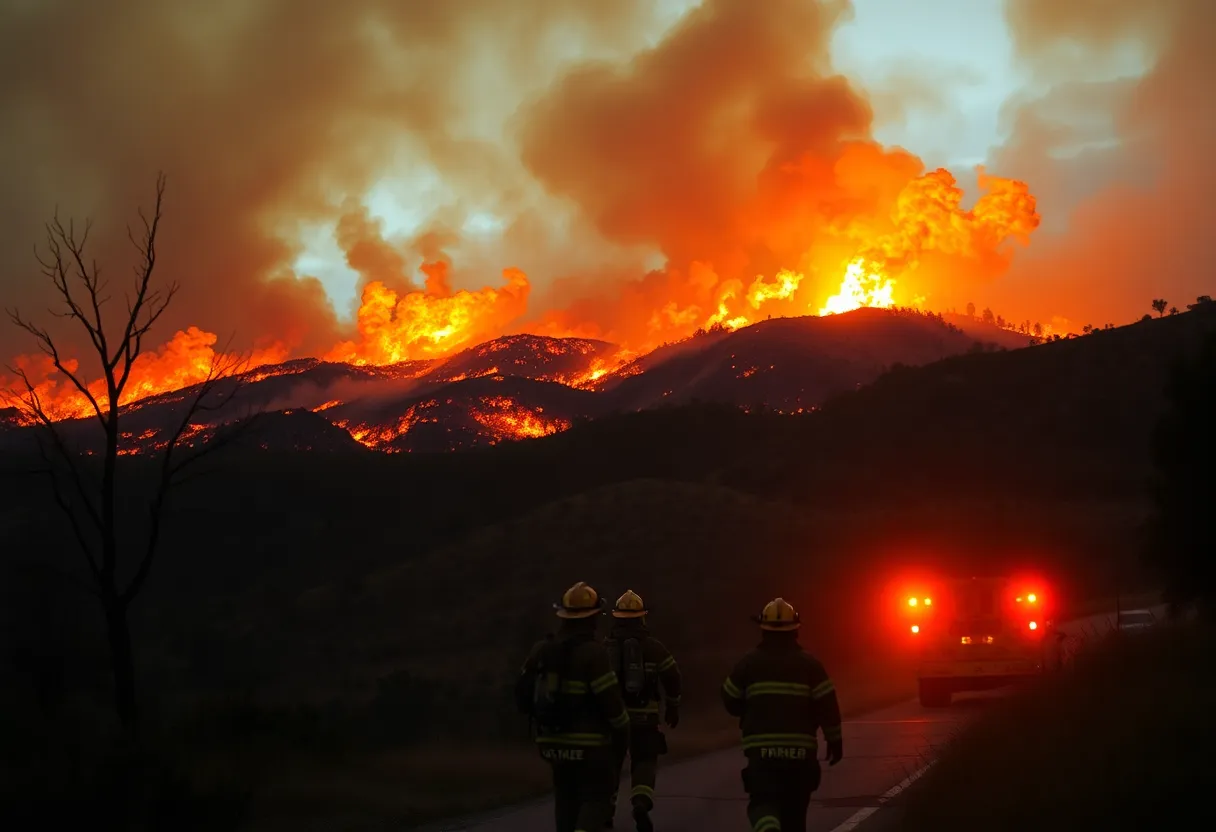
(728, 147)
(734, 149)
(267, 115)
(1133, 218)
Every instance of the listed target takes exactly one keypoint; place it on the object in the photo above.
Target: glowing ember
(378, 437)
(598, 369)
(504, 418)
(489, 371)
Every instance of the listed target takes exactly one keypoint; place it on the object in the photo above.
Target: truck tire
(934, 693)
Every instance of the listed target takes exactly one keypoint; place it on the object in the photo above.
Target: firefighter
(782, 696)
(568, 689)
(648, 678)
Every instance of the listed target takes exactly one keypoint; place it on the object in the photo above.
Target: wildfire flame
(432, 323)
(863, 285)
(188, 358)
(409, 329)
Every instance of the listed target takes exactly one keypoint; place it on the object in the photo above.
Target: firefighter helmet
(629, 605)
(579, 601)
(778, 616)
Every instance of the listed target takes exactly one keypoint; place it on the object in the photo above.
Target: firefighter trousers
(779, 793)
(646, 743)
(582, 792)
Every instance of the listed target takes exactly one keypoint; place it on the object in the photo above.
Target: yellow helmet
(579, 601)
(629, 605)
(778, 615)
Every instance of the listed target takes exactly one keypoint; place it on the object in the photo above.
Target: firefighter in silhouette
(649, 678)
(782, 697)
(572, 695)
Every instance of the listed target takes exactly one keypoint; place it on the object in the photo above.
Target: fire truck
(976, 633)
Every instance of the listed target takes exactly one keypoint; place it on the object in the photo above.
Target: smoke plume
(1132, 217)
(648, 174)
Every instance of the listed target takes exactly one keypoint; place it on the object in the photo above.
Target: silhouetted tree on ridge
(89, 504)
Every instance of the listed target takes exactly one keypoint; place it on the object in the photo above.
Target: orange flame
(881, 266)
(188, 358)
(928, 216)
(430, 323)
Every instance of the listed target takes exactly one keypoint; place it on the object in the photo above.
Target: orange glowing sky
(629, 170)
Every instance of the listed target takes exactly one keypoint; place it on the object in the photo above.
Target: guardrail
(1073, 639)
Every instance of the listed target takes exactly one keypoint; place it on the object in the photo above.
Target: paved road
(884, 751)
(706, 795)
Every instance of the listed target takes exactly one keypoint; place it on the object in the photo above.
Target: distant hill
(791, 364)
(541, 385)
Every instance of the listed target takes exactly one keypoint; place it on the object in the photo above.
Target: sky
(962, 45)
(640, 161)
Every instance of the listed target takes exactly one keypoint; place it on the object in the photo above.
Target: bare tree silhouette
(88, 503)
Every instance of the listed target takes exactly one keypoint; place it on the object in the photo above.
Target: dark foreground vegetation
(1123, 741)
(328, 641)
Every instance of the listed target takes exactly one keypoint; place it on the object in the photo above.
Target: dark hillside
(1073, 415)
(793, 364)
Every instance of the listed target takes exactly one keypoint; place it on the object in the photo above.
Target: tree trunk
(122, 663)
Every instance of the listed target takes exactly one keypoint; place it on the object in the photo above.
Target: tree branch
(145, 308)
(47, 346)
(57, 268)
